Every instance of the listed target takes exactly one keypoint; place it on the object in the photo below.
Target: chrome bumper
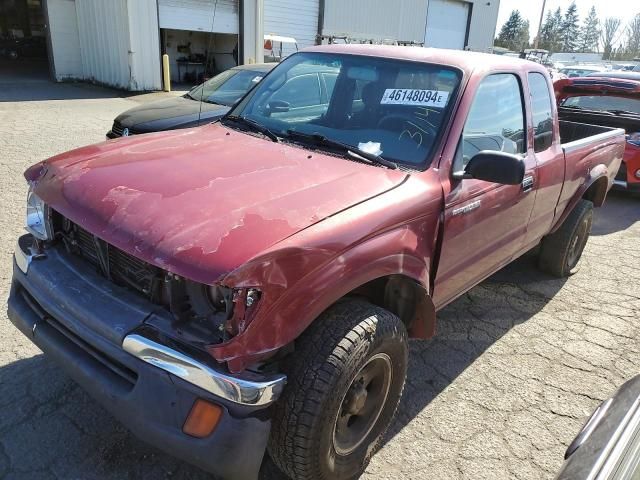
(245, 389)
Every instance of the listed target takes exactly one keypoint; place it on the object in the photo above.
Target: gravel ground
(518, 364)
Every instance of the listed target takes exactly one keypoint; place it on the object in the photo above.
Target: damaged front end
(201, 314)
(177, 320)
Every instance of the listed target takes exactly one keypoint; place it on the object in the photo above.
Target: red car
(251, 284)
(612, 102)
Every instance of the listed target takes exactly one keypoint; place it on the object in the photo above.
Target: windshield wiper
(253, 125)
(350, 150)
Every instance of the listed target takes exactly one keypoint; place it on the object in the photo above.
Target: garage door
(199, 15)
(292, 18)
(447, 22)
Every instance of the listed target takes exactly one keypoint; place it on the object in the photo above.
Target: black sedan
(203, 104)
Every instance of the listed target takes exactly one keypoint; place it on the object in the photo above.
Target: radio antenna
(206, 60)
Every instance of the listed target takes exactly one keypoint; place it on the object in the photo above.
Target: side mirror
(278, 106)
(496, 167)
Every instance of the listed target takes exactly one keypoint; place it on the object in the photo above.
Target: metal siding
(144, 56)
(376, 19)
(197, 15)
(482, 30)
(292, 18)
(103, 29)
(65, 42)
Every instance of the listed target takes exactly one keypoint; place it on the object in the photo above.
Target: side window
(495, 121)
(541, 107)
(305, 89)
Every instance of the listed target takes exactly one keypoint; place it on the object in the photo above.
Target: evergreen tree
(550, 31)
(590, 33)
(570, 29)
(513, 32)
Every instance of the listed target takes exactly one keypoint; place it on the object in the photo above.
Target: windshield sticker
(256, 79)
(410, 96)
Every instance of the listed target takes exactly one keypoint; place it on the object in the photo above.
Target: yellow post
(166, 75)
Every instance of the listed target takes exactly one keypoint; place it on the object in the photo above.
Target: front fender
(401, 251)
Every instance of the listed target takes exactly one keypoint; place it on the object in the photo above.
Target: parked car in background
(202, 104)
(608, 446)
(610, 99)
(251, 284)
(581, 70)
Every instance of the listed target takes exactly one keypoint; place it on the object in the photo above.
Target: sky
(530, 9)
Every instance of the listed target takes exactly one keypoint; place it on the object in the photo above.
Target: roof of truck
(465, 60)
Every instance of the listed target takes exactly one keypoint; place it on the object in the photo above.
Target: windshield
(392, 108)
(603, 103)
(227, 87)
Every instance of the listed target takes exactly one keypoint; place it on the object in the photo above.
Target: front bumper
(148, 384)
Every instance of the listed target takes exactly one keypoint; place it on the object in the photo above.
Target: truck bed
(576, 135)
(587, 147)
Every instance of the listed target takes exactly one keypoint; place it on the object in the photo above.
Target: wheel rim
(577, 243)
(362, 404)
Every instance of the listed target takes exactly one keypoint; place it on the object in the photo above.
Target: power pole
(537, 42)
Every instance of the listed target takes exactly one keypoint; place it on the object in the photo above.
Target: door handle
(527, 183)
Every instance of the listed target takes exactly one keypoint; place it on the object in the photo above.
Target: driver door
(485, 223)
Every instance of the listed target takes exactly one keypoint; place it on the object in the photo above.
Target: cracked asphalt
(518, 365)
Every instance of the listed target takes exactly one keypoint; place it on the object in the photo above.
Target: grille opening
(126, 378)
(194, 317)
(111, 262)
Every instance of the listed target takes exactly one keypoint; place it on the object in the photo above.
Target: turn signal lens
(203, 419)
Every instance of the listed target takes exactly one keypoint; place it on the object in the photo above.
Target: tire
(315, 434)
(560, 251)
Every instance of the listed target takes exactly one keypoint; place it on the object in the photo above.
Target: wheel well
(597, 191)
(404, 297)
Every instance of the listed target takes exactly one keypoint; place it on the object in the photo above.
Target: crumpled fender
(280, 322)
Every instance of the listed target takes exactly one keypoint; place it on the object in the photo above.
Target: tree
(570, 29)
(632, 43)
(609, 36)
(514, 34)
(590, 34)
(550, 31)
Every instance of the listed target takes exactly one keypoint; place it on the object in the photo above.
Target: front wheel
(560, 251)
(344, 384)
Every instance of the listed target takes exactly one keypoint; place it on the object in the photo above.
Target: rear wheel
(560, 252)
(344, 383)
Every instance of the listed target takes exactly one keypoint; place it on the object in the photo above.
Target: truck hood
(200, 202)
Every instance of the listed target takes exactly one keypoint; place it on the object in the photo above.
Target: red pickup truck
(251, 284)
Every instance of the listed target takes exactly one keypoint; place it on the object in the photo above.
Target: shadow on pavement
(620, 211)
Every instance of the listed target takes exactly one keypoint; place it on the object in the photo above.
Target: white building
(120, 42)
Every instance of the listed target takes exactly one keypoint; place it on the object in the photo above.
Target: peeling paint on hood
(201, 202)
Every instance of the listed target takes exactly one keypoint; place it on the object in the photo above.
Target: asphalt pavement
(518, 364)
